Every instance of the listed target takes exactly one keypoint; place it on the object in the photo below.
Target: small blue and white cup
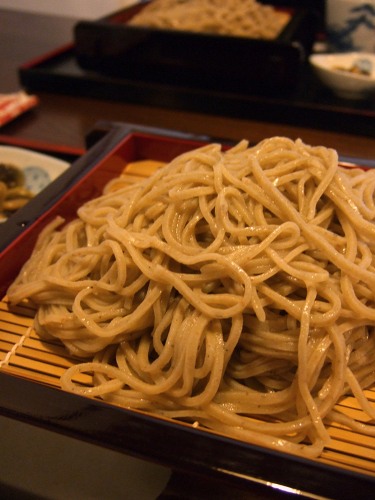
(350, 25)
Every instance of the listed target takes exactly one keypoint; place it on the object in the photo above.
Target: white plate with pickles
(350, 75)
(23, 174)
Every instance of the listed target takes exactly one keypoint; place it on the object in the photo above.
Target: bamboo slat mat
(24, 353)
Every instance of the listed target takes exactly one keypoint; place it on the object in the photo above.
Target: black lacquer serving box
(29, 381)
(199, 60)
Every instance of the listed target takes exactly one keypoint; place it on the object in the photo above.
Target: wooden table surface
(65, 120)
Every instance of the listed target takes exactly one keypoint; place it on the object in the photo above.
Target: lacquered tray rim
(118, 428)
(46, 72)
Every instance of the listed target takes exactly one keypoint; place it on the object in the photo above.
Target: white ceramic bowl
(345, 83)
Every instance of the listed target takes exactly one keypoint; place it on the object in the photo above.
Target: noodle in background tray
(243, 18)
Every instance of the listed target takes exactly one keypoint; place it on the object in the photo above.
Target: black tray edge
(186, 449)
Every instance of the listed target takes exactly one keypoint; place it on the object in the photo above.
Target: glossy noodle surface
(228, 287)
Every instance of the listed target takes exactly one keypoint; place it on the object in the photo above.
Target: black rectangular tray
(176, 445)
(309, 104)
(114, 47)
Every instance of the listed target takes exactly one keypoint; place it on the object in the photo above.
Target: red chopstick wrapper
(13, 105)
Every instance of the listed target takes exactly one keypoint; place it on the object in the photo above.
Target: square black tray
(176, 445)
(310, 104)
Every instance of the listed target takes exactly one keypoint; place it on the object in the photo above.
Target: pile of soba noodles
(231, 289)
(243, 18)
